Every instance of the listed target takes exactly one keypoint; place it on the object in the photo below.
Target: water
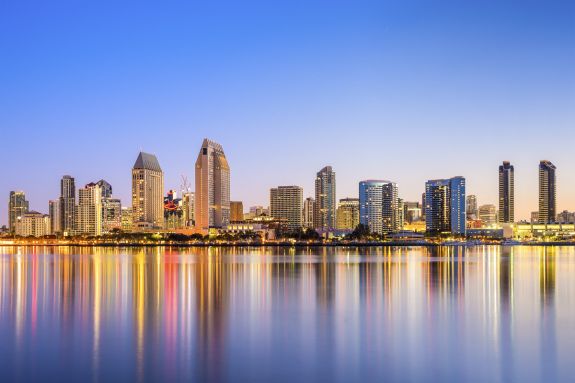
(481, 314)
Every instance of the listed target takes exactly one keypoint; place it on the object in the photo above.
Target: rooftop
(147, 161)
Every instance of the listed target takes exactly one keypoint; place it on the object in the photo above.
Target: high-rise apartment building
(506, 193)
(188, 201)
(54, 214)
(286, 204)
(111, 214)
(547, 192)
(67, 205)
(378, 206)
(236, 211)
(147, 193)
(89, 216)
(308, 213)
(445, 206)
(348, 214)
(111, 208)
(33, 224)
(212, 197)
(17, 207)
(471, 208)
(325, 199)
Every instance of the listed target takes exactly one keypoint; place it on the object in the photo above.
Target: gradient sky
(401, 90)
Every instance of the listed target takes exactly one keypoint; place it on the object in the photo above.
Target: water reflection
(222, 314)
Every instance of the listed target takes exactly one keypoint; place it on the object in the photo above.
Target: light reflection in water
(339, 314)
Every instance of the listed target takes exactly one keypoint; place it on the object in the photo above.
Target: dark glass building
(445, 206)
(67, 205)
(506, 193)
(547, 192)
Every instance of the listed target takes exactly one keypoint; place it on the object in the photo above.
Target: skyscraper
(348, 213)
(147, 192)
(212, 197)
(54, 214)
(89, 216)
(325, 199)
(111, 208)
(471, 208)
(286, 204)
(111, 214)
(188, 208)
(547, 192)
(378, 206)
(67, 205)
(17, 207)
(506, 193)
(445, 206)
(308, 213)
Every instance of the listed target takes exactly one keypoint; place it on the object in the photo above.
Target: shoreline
(288, 244)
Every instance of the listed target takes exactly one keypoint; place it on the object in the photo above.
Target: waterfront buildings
(111, 214)
(308, 213)
(236, 211)
(54, 214)
(127, 221)
(89, 215)
(565, 217)
(445, 206)
(347, 214)
(173, 213)
(488, 214)
(471, 208)
(17, 207)
(256, 211)
(111, 208)
(412, 212)
(547, 192)
(67, 205)
(506, 193)
(32, 224)
(286, 204)
(378, 206)
(188, 202)
(212, 197)
(147, 193)
(325, 199)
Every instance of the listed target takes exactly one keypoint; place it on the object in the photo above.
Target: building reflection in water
(221, 314)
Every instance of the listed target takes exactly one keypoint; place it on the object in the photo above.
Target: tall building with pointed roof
(147, 193)
(212, 197)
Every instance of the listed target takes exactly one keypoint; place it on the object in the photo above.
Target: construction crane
(185, 186)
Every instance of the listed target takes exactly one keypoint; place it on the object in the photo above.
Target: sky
(401, 90)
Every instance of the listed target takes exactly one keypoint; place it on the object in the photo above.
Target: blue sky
(401, 90)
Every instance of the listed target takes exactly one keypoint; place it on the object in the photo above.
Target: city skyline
(307, 193)
(423, 76)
